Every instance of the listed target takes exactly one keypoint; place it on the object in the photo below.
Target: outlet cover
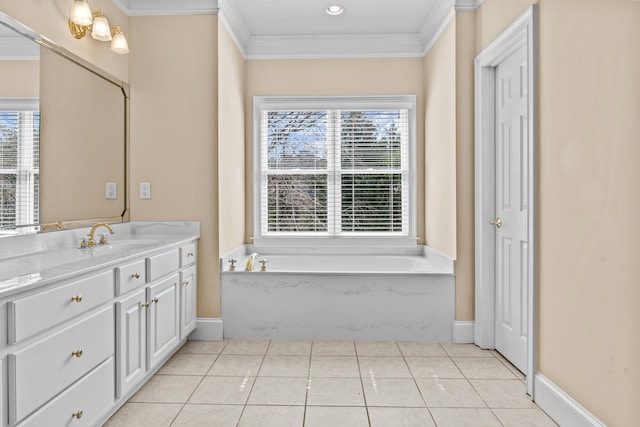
(110, 192)
(145, 190)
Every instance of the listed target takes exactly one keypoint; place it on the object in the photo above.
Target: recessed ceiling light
(334, 10)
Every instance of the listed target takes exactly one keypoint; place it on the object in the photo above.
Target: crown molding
(235, 24)
(334, 46)
(167, 7)
(309, 46)
(435, 24)
(467, 5)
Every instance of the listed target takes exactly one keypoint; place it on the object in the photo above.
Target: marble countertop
(39, 259)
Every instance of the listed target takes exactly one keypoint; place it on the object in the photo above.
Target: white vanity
(83, 329)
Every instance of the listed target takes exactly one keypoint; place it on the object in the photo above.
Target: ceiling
(301, 28)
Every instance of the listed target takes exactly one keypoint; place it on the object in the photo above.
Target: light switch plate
(145, 190)
(110, 191)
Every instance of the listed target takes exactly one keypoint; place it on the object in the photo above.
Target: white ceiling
(302, 29)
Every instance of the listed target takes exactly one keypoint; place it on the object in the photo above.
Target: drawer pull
(185, 282)
(77, 353)
(76, 298)
(77, 415)
(135, 276)
(190, 254)
(155, 300)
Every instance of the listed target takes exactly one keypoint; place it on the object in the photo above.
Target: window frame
(284, 103)
(22, 105)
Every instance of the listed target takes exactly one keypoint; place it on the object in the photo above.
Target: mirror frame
(25, 31)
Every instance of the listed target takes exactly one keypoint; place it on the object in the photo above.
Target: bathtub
(408, 295)
(346, 264)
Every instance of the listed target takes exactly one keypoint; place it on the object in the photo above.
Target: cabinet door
(131, 343)
(187, 301)
(163, 321)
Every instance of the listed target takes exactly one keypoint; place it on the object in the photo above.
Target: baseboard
(463, 331)
(207, 329)
(560, 406)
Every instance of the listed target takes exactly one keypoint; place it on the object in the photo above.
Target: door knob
(497, 222)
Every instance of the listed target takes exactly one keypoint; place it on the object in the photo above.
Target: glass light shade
(81, 13)
(119, 43)
(101, 29)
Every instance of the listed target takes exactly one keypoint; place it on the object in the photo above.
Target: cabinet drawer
(42, 370)
(130, 277)
(163, 264)
(187, 255)
(35, 313)
(91, 398)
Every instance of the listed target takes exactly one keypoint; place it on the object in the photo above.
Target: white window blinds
(19, 169)
(335, 172)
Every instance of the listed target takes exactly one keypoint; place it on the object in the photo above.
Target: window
(19, 164)
(334, 168)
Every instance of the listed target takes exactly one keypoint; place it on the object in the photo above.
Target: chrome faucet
(250, 261)
(92, 240)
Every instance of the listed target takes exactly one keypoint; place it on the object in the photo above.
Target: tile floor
(308, 383)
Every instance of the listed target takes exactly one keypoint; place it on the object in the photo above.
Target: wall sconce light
(82, 20)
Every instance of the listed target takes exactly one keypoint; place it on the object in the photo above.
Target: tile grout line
(306, 395)
(364, 396)
(416, 382)
(246, 402)
(200, 382)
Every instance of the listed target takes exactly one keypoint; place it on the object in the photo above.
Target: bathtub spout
(250, 261)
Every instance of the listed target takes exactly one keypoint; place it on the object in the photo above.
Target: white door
(511, 197)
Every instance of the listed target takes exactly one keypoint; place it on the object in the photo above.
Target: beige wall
(588, 340)
(389, 76)
(589, 203)
(465, 27)
(231, 142)
(50, 17)
(440, 142)
(173, 76)
(20, 79)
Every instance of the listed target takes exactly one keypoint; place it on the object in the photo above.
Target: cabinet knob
(155, 300)
(185, 282)
(190, 254)
(76, 298)
(145, 305)
(77, 415)
(77, 353)
(135, 276)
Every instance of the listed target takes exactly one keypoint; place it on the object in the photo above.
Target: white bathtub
(325, 296)
(347, 264)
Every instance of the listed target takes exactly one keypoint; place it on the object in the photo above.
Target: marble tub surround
(38, 259)
(317, 295)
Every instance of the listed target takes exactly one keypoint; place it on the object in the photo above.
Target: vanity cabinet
(163, 326)
(76, 349)
(131, 345)
(154, 319)
(188, 295)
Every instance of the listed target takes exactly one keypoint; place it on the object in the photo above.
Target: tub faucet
(250, 261)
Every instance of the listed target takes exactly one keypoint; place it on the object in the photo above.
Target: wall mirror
(63, 137)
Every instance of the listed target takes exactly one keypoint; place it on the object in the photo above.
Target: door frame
(523, 31)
